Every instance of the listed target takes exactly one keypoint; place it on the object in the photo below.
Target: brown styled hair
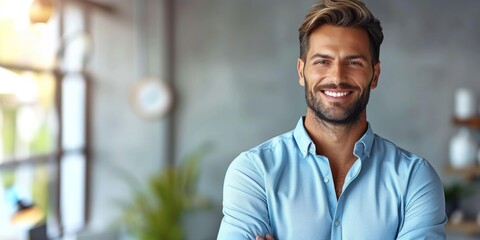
(346, 13)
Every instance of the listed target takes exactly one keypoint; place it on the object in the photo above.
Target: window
(44, 110)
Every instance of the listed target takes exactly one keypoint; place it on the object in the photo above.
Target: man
(332, 177)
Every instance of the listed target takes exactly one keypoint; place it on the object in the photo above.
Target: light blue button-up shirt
(284, 188)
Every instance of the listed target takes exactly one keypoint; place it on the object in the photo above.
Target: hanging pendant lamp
(41, 11)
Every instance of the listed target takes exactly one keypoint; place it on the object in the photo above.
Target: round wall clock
(151, 98)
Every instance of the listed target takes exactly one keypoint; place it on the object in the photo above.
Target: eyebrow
(326, 56)
(319, 55)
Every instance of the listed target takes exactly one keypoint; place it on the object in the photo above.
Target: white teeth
(336, 94)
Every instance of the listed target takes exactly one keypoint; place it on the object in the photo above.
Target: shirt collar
(305, 143)
(302, 138)
(366, 141)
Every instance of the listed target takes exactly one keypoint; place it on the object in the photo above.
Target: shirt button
(325, 180)
(337, 223)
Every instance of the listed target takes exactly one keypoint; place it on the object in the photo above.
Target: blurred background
(104, 102)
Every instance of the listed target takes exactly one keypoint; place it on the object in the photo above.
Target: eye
(355, 63)
(320, 62)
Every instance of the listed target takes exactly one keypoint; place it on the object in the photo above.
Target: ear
(376, 75)
(300, 66)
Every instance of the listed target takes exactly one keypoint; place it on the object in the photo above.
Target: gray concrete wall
(235, 72)
(121, 139)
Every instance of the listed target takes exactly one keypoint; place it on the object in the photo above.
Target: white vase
(463, 149)
(465, 103)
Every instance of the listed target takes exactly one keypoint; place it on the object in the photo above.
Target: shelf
(470, 122)
(466, 227)
(468, 173)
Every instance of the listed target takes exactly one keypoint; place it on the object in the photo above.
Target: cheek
(316, 72)
(312, 79)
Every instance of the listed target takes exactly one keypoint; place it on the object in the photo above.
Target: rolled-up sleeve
(425, 215)
(245, 207)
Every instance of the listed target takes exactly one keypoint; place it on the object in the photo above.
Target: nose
(337, 73)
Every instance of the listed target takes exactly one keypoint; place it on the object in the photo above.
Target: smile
(336, 94)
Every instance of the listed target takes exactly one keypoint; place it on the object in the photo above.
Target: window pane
(27, 187)
(22, 42)
(73, 192)
(27, 115)
(73, 97)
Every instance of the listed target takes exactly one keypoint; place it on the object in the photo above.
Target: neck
(333, 140)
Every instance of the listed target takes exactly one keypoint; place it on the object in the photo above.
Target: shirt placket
(336, 229)
(328, 186)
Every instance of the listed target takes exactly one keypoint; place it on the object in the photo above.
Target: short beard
(352, 114)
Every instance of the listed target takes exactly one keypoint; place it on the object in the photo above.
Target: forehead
(331, 39)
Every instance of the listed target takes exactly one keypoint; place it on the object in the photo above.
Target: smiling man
(332, 177)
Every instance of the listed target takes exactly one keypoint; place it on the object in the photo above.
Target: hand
(267, 237)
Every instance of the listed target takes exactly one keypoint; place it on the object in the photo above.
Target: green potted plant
(454, 193)
(158, 212)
